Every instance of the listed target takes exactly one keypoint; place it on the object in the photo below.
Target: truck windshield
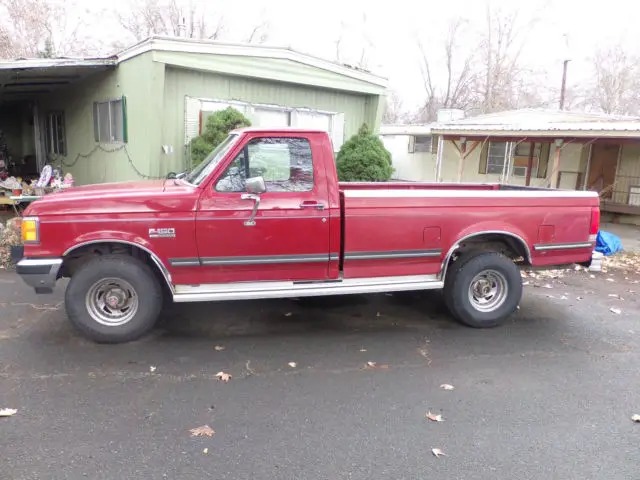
(204, 169)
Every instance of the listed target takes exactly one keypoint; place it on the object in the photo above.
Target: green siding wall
(142, 82)
(155, 94)
(179, 83)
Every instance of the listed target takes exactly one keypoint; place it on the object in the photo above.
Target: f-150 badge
(162, 233)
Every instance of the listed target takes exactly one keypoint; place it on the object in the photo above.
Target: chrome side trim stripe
(462, 193)
(306, 258)
(392, 254)
(184, 262)
(253, 260)
(264, 259)
(543, 247)
(263, 290)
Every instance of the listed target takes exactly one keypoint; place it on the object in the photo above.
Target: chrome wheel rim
(488, 291)
(112, 302)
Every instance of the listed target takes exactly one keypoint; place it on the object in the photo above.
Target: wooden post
(463, 156)
(439, 158)
(585, 180)
(553, 181)
(530, 163)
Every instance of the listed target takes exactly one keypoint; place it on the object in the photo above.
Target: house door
(602, 170)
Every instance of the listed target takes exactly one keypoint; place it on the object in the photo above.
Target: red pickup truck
(264, 216)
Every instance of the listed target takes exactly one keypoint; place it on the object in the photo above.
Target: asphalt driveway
(547, 396)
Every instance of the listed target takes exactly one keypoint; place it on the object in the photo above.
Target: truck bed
(410, 227)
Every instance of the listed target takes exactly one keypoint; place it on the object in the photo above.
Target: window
(285, 164)
(495, 157)
(421, 143)
(55, 134)
(109, 121)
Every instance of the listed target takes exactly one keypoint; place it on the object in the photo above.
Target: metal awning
(22, 80)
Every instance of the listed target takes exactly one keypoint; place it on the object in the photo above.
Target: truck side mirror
(255, 185)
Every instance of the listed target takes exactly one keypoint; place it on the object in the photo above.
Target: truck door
(280, 234)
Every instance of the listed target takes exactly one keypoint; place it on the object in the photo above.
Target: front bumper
(39, 273)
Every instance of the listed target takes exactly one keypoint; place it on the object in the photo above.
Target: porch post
(553, 181)
(530, 163)
(439, 158)
(463, 155)
(585, 180)
(505, 165)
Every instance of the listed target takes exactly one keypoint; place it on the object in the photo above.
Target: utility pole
(563, 88)
(565, 65)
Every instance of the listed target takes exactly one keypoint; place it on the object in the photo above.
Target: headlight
(30, 230)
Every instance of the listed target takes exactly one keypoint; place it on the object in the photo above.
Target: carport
(33, 136)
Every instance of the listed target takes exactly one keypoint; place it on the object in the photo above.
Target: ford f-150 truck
(264, 216)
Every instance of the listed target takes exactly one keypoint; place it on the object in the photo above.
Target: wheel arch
(513, 241)
(153, 259)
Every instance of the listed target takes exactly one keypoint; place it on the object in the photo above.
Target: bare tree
(394, 109)
(188, 18)
(32, 28)
(354, 45)
(501, 45)
(616, 84)
(448, 76)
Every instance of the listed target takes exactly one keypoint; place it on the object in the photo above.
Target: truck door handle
(319, 206)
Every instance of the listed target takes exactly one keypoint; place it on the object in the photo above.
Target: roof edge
(185, 45)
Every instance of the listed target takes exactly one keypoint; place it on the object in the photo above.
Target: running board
(261, 290)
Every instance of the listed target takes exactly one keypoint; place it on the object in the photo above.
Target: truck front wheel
(113, 299)
(483, 290)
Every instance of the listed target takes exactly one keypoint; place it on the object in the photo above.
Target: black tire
(140, 278)
(457, 289)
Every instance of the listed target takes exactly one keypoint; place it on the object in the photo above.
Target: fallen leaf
(446, 386)
(223, 376)
(592, 276)
(375, 365)
(202, 431)
(563, 297)
(219, 348)
(579, 298)
(438, 453)
(610, 280)
(288, 314)
(292, 364)
(636, 418)
(152, 369)
(617, 311)
(205, 451)
(434, 418)
(7, 412)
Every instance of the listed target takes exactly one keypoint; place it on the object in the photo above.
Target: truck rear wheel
(483, 290)
(114, 299)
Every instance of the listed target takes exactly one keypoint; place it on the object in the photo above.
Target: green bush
(363, 158)
(218, 126)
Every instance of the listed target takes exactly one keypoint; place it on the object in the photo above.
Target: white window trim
(109, 101)
(248, 107)
(51, 134)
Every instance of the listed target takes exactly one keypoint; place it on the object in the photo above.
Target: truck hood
(149, 196)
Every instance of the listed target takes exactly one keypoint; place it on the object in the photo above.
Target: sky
(389, 32)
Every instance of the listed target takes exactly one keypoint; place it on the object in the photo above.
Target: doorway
(602, 169)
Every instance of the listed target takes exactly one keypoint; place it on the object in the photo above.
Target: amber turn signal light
(30, 230)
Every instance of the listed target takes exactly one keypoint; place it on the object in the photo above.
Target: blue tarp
(608, 243)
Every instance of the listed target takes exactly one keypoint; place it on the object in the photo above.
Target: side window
(286, 165)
